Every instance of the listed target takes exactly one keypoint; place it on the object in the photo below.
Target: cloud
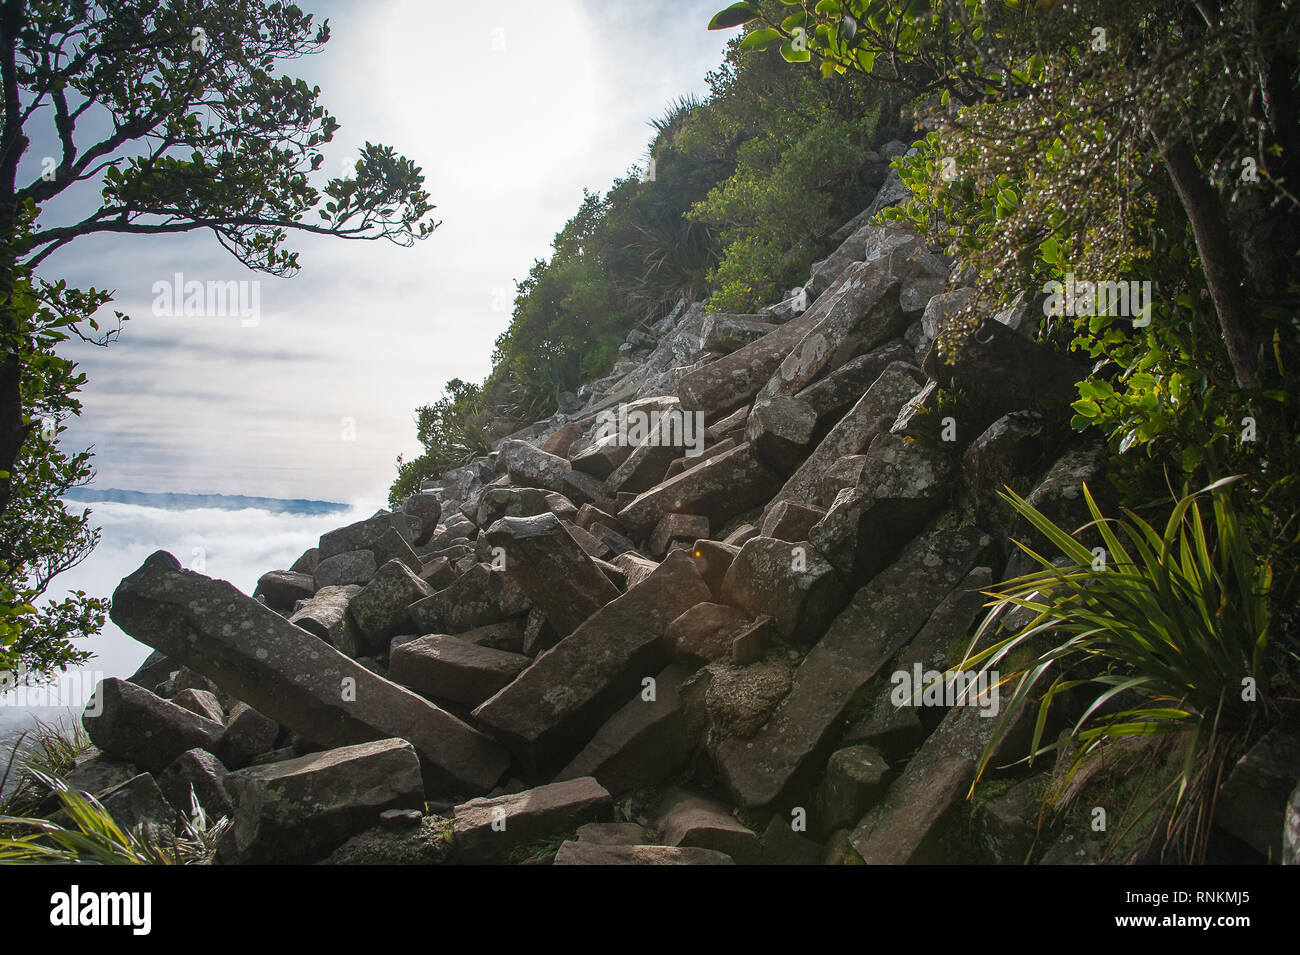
(510, 112)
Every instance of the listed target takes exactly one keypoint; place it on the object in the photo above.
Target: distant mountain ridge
(178, 501)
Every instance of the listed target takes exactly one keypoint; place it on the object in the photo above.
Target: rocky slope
(662, 626)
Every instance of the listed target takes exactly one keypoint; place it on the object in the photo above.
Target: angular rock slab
(880, 619)
(789, 582)
(552, 569)
(904, 827)
(904, 484)
(136, 725)
(302, 808)
(688, 820)
(449, 668)
(642, 744)
(293, 677)
(718, 489)
(486, 830)
(556, 705)
(873, 413)
(591, 853)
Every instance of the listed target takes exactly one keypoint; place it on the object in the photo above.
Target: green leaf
(733, 16)
(828, 7)
(760, 39)
(791, 55)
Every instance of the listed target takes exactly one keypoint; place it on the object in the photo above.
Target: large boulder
(291, 676)
(350, 567)
(789, 582)
(866, 242)
(718, 489)
(363, 535)
(132, 723)
(642, 744)
(531, 467)
(486, 830)
(472, 600)
(873, 413)
(1001, 371)
(831, 396)
(552, 708)
(325, 615)
(552, 569)
(439, 667)
(379, 610)
(723, 385)
(905, 826)
(878, 621)
(300, 809)
(1252, 803)
(138, 805)
(426, 509)
(863, 314)
(1009, 452)
(705, 632)
(498, 502)
(690, 820)
(281, 589)
(725, 332)
(780, 429)
(904, 484)
(196, 776)
(601, 457)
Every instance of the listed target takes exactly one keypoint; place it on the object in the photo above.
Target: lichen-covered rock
(874, 412)
(724, 701)
(780, 429)
(554, 706)
(196, 776)
(291, 676)
(545, 560)
(379, 610)
(302, 808)
(878, 621)
(131, 723)
(789, 582)
(904, 484)
(325, 616)
(486, 830)
(350, 567)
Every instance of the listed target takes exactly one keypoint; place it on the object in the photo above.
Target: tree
(39, 538)
(191, 129)
(1208, 86)
(174, 110)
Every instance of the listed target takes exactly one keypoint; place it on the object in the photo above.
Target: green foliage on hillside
(799, 148)
(1113, 142)
(739, 194)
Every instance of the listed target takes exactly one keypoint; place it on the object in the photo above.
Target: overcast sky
(510, 110)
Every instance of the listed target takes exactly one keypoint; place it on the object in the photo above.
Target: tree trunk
(1225, 272)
